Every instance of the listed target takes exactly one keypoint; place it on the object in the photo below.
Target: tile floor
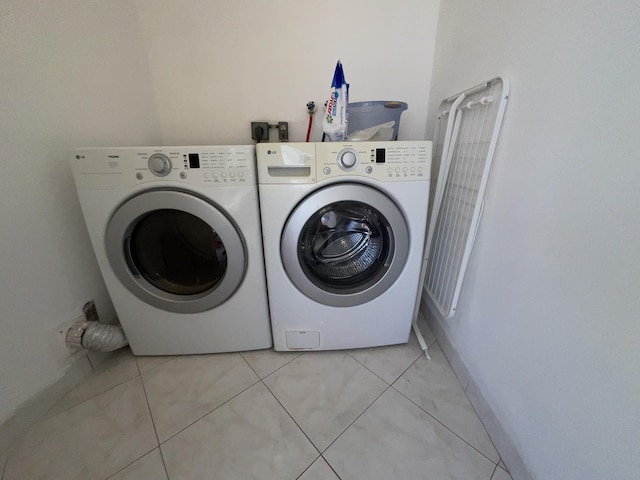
(379, 413)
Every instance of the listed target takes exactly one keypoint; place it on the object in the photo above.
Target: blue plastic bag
(334, 123)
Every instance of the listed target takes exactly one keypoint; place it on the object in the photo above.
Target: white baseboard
(502, 441)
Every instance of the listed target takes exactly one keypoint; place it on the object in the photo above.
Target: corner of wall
(502, 441)
(37, 407)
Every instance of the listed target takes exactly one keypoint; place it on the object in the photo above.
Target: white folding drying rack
(465, 141)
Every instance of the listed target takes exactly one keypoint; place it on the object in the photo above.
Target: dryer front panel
(345, 244)
(176, 251)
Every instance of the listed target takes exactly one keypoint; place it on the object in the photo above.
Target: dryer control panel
(196, 165)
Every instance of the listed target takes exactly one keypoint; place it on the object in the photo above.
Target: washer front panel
(350, 224)
(222, 266)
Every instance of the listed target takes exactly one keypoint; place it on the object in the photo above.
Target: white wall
(216, 66)
(72, 74)
(548, 321)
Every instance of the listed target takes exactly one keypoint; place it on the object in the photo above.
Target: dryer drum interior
(177, 252)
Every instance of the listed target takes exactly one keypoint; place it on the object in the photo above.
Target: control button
(419, 169)
(413, 169)
(159, 164)
(183, 175)
(405, 169)
(215, 175)
(397, 169)
(390, 170)
(223, 174)
(205, 175)
(326, 170)
(369, 169)
(347, 158)
(241, 174)
(232, 174)
(139, 176)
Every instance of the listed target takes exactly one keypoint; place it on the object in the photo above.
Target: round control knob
(159, 164)
(347, 159)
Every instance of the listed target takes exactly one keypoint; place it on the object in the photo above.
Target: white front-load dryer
(343, 233)
(176, 232)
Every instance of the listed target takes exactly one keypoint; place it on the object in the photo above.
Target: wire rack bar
(471, 122)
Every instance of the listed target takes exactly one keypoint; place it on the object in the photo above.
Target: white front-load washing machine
(176, 232)
(343, 232)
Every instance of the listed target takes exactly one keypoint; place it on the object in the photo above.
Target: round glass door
(345, 246)
(349, 250)
(176, 251)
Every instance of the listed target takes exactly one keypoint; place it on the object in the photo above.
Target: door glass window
(177, 252)
(345, 245)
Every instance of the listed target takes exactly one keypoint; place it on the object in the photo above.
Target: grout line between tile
(293, 420)
(270, 373)
(331, 466)
(362, 364)
(93, 372)
(356, 419)
(209, 412)
(445, 426)
(308, 467)
(249, 365)
(464, 390)
(410, 366)
(164, 465)
(494, 472)
(157, 366)
(401, 374)
(130, 463)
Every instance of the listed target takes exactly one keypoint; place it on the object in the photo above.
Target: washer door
(345, 245)
(176, 251)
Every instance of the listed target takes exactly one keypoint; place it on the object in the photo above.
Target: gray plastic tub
(363, 115)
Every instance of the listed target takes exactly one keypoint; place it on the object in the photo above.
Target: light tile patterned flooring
(378, 413)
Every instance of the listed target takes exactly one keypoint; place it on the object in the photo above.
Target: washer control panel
(383, 161)
(198, 165)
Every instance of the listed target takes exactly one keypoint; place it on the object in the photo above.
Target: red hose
(309, 129)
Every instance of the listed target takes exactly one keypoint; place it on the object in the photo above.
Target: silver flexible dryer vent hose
(95, 336)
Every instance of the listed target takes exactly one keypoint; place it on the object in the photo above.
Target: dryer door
(345, 245)
(176, 251)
